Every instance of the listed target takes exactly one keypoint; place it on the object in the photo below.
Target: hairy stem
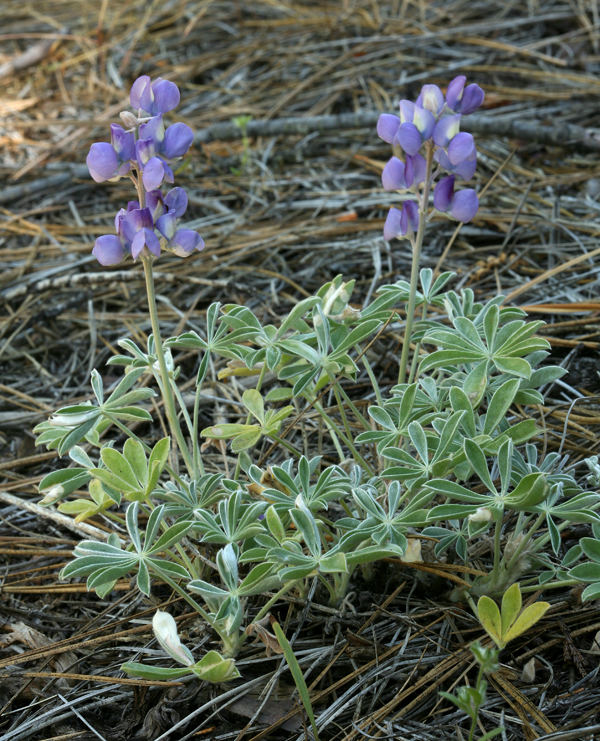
(414, 272)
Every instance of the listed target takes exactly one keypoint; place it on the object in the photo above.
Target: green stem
(198, 465)
(183, 407)
(497, 535)
(413, 367)
(285, 444)
(414, 273)
(355, 410)
(551, 585)
(355, 454)
(332, 430)
(265, 609)
(371, 375)
(167, 392)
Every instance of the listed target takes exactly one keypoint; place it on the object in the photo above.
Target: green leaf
(157, 461)
(154, 672)
(501, 400)
(531, 490)
(214, 668)
(133, 450)
(490, 619)
(245, 441)
(333, 563)
(254, 403)
(513, 366)
(118, 465)
(511, 606)
(357, 335)
(476, 383)
(296, 674)
(526, 619)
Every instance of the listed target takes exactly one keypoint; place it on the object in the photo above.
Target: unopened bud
(128, 119)
(165, 632)
(528, 674)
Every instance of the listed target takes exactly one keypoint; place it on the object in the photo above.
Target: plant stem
(259, 382)
(167, 392)
(497, 535)
(413, 367)
(526, 538)
(371, 375)
(349, 442)
(550, 585)
(198, 465)
(414, 272)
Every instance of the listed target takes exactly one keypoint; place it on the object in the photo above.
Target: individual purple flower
(432, 99)
(104, 163)
(109, 250)
(181, 242)
(154, 169)
(160, 96)
(170, 144)
(175, 200)
(401, 222)
(400, 176)
(387, 128)
(461, 99)
(461, 205)
(465, 170)
(123, 142)
(138, 227)
(445, 130)
(416, 126)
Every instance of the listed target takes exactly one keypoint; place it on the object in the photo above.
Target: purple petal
(454, 92)
(167, 225)
(464, 205)
(166, 96)
(119, 215)
(144, 151)
(145, 238)
(169, 177)
(176, 200)
(131, 224)
(178, 139)
(393, 175)
(137, 89)
(123, 142)
(409, 138)
(108, 250)
(466, 169)
(424, 121)
(153, 129)
(411, 210)
(153, 173)
(407, 111)
(472, 98)
(156, 203)
(186, 241)
(460, 148)
(387, 127)
(146, 218)
(431, 98)
(445, 130)
(392, 228)
(409, 171)
(419, 167)
(102, 161)
(442, 195)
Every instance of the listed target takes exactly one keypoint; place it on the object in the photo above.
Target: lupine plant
(444, 465)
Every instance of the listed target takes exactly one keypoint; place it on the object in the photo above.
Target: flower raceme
(432, 123)
(148, 149)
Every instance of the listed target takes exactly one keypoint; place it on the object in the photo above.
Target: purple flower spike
(463, 100)
(445, 130)
(176, 200)
(462, 206)
(108, 250)
(155, 98)
(102, 161)
(409, 138)
(185, 242)
(394, 174)
(460, 148)
(401, 223)
(387, 127)
(431, 98)
(178, 139)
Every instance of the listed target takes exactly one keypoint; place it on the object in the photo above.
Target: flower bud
(412, 554)
(128, 119)
(165, 632)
